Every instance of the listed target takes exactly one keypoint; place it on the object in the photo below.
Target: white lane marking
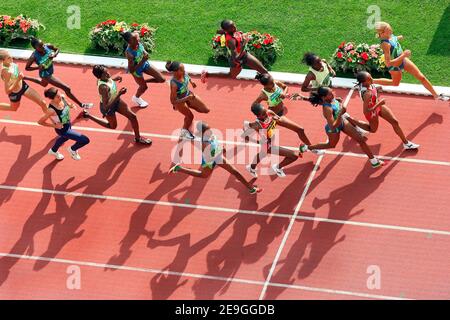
(175, 138)
(197, 276)
(288, 230)
(223, 209)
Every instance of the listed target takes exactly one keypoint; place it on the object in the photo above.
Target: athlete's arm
(387, 56)
(43, 121)
(131, 66)
(173, 95)
(54, 48)
(262, 97)
(400, 37)
(71, 105)
(30, 62)
(330, 69)
(283, 86)
(305, 85)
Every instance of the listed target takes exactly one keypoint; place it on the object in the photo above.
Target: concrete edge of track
(295, 78)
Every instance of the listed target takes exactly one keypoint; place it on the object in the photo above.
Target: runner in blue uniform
(43, 56)
(182, 98)
(138, 64)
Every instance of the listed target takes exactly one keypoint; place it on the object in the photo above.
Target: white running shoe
(87, 105)
(410, 146)
(251, 170)
(140, 102)
(318, 152)
(186, 134)
(443, 97)
(74, 154)
(278, 171)
(57, 155)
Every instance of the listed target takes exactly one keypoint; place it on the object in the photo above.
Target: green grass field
(186, 27)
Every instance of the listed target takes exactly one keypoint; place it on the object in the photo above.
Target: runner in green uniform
(15, 86)
(111, 103)
(59, 114)
(212, 156)
(183, 99)
(397, 60)
(43, 56)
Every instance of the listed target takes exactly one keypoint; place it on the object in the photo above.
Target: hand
(407, 53)
(122, 91)
(118, 79)
(382, 102)
(41, 67)
(194, 85)
(58, 126)
(191, 96)
(343, 110)
(21, 76)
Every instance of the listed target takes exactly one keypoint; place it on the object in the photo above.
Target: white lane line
(238, 143)
(223, 209)
(288, 230)
(197, 276)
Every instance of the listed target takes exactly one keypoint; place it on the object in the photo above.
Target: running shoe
(74, 154)
(410, 146)
(186, 134)
(443, 97)
(175, 168)
(143, 141)
(87, 105)
(255, 190)
(278, 171)
(252, 171)
(318, 152)
(140, 102)
(203, 76)
(57, 155)
(377, 163)
(303, 148)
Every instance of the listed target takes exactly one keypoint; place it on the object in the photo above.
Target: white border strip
(197, 276)
(289, 228)
(296, 78)
(238, 143)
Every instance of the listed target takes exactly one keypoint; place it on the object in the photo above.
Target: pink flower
(349, 47)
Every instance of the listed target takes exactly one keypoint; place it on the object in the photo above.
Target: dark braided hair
(263, 78)
(172, 66)
(316, 97)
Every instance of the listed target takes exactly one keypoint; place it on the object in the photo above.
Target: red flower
(216, 38)
(24, 25)
(339, 55)
(362, 62)
(268, 41)
(350, 60)
(134, 24)
(1, 24)
(257, 45)
(144, 31)
(342, 45)
(365, 56)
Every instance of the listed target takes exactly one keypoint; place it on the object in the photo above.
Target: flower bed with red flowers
(107, 35)
(361, 57)
(20, 27)
(263, 46)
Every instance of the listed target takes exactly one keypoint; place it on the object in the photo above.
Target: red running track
(134, 232)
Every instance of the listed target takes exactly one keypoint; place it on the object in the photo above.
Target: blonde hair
(3, 54)
(380, 26)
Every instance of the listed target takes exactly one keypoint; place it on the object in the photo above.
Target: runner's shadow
(139, 218)
(107, 175)
(226, 261)
(342, 202)
(36, 222)
(23, 164)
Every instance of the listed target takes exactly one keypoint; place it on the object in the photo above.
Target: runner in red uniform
(239, 57)
(374, 108)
